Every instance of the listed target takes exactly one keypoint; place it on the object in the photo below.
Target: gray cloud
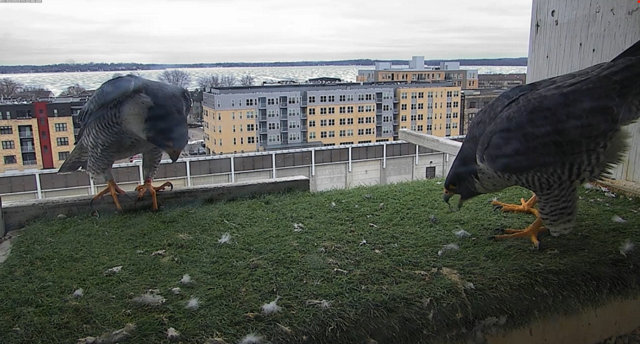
(170, 31)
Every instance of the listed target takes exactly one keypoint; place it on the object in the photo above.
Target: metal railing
(234, 173)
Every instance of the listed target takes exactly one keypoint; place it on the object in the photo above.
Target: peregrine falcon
(129, 115)
(549, 136)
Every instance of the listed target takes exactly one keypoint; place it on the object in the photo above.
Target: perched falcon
(129, 115)
(549, 136)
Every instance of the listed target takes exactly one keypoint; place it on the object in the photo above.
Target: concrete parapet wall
(326, 167)
(17, 215)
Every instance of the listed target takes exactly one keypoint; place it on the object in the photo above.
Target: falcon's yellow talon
(114, 190)
(531, 232)
(523, 207)
(143, 188)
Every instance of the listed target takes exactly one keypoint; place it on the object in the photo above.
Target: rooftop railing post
(233, 170)
(188, 167)
(92, 186)
(313, 162)
(349, 158)
(417, 156)
(384, 155)
(38, 186)
(273, 165)
(140, 173)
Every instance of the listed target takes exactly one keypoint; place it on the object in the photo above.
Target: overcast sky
(192, 31)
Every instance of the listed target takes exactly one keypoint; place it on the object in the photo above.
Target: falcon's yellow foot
(531, 231)
(142, 189)
(524, 207)
(114, 190)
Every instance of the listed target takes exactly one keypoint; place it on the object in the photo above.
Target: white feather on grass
(150, 298)
(78, 293)
(271, 307)
(298, 227)
(193, 303)
(462, 234)
(252, 338)
(626, 247)
(225, 238)
(323, 304)
(172, 333)
(110, 337)
(618, 219)
(176, 291)
(114, 270)
(448, 247)
(186, 279)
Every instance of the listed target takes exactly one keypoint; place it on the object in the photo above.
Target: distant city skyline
(200, 31)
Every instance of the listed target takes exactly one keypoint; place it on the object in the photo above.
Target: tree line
(10, 88)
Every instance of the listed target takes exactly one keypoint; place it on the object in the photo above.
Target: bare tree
(247, 80)
(176, 77)
(9, 87)
(73, 91)
(228, 80)
(208, 81)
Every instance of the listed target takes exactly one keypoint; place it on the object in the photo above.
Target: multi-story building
(417, 72)
(473, 101)
(37, 135)
(501, 80)
(244, 119)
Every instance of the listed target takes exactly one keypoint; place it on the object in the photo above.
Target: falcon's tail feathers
(77, 159)
(632, 51)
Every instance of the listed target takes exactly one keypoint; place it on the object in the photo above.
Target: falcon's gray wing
(554, 122)
(111, 93)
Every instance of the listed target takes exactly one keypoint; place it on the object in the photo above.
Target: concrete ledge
(15, 216)
(593, 325)
(433, 142)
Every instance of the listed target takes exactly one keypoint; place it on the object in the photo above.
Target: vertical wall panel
(569, 35)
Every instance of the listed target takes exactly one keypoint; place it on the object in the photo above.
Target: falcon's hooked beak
(174, 154)
(446, 196)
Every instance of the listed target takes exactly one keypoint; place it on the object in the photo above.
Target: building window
(251, 139)
(8, 145)
(6, 130)
(62, 141)
(9, 159)
(312, 135)
(63, 155)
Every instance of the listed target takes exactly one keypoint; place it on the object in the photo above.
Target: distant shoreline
(120, 67)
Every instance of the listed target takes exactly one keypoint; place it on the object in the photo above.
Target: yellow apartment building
(417, 72)
(430, 110)
(245, 119)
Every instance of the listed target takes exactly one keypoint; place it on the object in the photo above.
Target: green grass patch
(371, 253)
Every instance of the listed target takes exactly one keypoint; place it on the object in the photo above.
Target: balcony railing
(26, 134)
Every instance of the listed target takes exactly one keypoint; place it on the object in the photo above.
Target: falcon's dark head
(462, 177)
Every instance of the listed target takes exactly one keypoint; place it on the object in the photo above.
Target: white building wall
(569, 35)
